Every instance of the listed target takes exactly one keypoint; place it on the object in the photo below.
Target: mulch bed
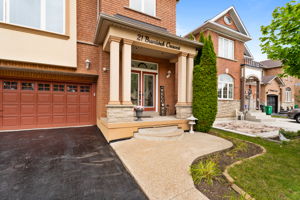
(221, 189)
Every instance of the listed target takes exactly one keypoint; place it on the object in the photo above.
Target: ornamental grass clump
(239, 146)
(206, 170)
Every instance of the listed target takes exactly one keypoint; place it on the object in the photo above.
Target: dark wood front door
(272, 100)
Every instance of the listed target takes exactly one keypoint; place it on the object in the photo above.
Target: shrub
(289, 134)
(205, 171)
(205, 88)
(239, 146)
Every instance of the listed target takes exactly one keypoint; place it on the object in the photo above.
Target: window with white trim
(288, 94)
(145, 6)
(225, 87)
(226, 48)
(48, 15)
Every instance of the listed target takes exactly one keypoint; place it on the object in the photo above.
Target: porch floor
(161, 168)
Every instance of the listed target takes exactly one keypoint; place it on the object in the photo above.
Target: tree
(198, 56)
(205, 98)
(281, 39)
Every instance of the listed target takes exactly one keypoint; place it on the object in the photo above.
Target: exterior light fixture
(87, 64)
(192, 122)
(168, 74)
(226, 70)
(105, 69)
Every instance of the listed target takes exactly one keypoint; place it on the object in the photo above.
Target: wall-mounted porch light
(105, 69)
(87, 64)
(168, 74)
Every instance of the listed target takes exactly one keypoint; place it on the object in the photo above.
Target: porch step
(257, 116)
(160, 133)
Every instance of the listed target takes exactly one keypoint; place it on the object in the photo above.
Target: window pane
(72, 88)
(149, 7)
(220, 90)
(26, 13)
(84, 88)
(27, 86)
(136, 4)
(59, 88)
(9, 85)
(225, 89)
(230, 92)
(43, 87)
(1, 10)
(55, 15)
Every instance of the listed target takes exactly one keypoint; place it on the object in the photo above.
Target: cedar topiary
(205, 98)
(198, 56)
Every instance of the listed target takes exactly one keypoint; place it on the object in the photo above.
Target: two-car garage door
(36, 104)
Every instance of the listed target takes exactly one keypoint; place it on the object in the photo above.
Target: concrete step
(259, 117)
(160, 133)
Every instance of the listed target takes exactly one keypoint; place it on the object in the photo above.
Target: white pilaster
(114, 71)
(189, 78)
(126, 72)
(181, 79)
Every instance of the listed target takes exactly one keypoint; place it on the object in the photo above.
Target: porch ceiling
(152, 53)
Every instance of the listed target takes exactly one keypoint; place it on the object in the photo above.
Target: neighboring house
(229, 35)
(69, 63)
(277, 91)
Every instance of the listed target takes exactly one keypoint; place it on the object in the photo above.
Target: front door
(272, 100)
(143, 89)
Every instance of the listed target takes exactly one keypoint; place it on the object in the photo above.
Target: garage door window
(59, 88)
(44, 87)
(27, 86)
(84, 88)
(9, 85)
(72, 88)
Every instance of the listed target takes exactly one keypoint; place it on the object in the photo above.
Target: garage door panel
(10, 121)
(44, 120)
(11, 109)
(59, 109)
(10, 97)
(27, 121)
(59, 119)
(84, 108)
(59, 98)
(72, 98)
(85, 99)
(72, 119)
(44, 98)
(27, 97)
(84, 118)
(44, 109)
(28, 109)
(72, 108)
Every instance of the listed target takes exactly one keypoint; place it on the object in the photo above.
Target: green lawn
(274, 175)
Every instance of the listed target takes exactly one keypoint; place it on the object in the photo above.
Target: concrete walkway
(161, 168)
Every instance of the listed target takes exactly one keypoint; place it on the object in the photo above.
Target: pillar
(126, 72)
(182, 79)
(189, 79)
(114, 71)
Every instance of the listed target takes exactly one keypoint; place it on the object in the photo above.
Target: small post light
(192, 122)
(87, 64)
(168, 74)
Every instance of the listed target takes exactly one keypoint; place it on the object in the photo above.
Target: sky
(254, 13)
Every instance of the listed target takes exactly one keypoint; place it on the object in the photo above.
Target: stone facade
(119, 113)
(183, 111)
(227, 108)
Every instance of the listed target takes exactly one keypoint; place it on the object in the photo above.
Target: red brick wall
(165, 12)
(221, 21)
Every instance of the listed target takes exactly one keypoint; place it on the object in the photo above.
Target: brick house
(91, 62)
(229, 36)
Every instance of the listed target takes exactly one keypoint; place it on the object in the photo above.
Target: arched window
(225, 87)
(288, 94)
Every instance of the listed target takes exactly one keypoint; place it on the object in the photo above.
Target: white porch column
(182, 79)
(189, 79)
(114, 70)
(126, 72)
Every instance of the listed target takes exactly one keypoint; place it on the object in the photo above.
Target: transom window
(27, 86)
(225, 87)
(226, 48)
(10, 85)
(46, 15)
(84, 88)
(143, 65)
(59, 88)
(43, 87)
(288, 94)
(72, 88)
(145, 6)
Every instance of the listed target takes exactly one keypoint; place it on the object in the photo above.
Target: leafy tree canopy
(281, 39)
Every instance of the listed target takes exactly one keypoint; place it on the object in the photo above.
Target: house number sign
(147, 39)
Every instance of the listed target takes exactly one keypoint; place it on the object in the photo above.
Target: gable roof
(269, 79)
(241, 34)
(247, 52)
(269, 64)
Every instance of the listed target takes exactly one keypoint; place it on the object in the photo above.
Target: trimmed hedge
(205, 97)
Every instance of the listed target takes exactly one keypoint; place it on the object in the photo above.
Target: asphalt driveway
(69, 163)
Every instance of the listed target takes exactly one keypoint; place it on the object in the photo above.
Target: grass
(279, 116)
(205, 171)
(274, 175)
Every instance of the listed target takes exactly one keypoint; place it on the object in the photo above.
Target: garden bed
(220, 188)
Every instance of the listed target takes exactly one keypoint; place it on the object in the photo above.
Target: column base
(183, 111)
(119, 113)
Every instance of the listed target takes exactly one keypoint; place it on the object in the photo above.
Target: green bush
(289, 134)
(205, 171)
(205, 88)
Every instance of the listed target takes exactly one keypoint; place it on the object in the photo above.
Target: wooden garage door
(33, 104)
